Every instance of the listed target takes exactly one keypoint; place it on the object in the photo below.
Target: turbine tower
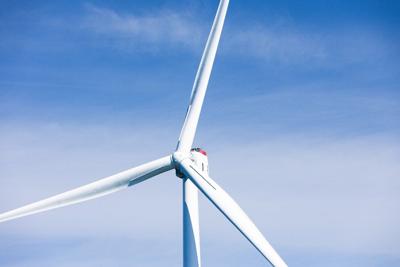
(190, 164)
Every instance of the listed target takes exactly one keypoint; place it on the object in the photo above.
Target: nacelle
(199, 157)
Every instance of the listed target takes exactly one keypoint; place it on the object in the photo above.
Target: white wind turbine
(190, 164)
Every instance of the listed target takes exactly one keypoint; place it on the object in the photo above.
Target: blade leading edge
(93, 190)
(201, 81)
(230, 209)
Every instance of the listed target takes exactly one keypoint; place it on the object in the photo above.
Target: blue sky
(300, 123)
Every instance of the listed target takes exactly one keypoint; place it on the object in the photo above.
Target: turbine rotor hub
(197, 155)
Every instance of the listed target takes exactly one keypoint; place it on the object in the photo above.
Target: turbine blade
(93, 190)
(201, 81)
(231, 210)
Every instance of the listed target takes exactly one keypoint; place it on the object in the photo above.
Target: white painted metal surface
(93, 190)
(191, 225)
(201, 81)
(228, 207)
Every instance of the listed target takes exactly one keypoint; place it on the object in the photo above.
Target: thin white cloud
(304, 192)
(275, 44)
(161, 28)
(284, 43)
(278, 42)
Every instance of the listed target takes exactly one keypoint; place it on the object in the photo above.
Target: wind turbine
(190, 164)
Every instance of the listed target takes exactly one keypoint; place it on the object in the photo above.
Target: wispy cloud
(281, 44)
(275, 43)
(157, 29)
(285, 43)
(280, 41)
(329, 187)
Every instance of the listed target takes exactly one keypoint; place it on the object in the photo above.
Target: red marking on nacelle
(198, 149)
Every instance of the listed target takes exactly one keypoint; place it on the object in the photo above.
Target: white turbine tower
(190, 164)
